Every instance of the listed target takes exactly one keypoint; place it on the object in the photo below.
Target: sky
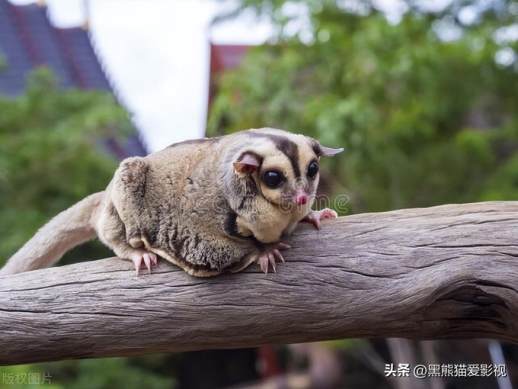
(156, 54)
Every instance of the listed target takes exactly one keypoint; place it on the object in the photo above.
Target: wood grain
(443, 272)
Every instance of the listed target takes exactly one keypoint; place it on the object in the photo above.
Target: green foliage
(24, 377)
(116, 372)
(424, 120)
(103, 373)
(51, 155)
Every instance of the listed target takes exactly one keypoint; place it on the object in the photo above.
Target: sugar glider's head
(284, 166)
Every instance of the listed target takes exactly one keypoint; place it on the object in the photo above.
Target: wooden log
(442, 272)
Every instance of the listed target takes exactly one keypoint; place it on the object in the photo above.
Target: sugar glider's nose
(301, 198)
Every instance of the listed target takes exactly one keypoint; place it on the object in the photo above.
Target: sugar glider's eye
(312, 169)
(272, 178)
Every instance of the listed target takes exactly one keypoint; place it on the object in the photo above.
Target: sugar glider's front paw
(315, 217)
(270, 256)
(140, 257)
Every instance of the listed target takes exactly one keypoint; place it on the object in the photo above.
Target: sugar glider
(208, 205)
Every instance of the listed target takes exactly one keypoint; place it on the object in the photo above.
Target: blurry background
(422, 94)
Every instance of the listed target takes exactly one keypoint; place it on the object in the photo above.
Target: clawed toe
(314, 217)
(328, 214)
(278, 255)
(266, 260)
(283, 246)
(149, 260)
(263, 262)
(271, 256)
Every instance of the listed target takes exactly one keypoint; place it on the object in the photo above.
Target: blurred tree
(51, 155)
(425, 105)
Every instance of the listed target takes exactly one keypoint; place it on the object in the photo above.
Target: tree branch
(441, 272)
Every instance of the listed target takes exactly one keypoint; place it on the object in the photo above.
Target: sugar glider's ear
(247, 163)
(329, 151)
(323, 151)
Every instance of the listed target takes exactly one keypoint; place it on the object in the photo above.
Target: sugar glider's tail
(68, 229)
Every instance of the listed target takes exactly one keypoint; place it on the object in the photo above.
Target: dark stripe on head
(286, 146)
(248, 193)
(230, 226)
(316, 147)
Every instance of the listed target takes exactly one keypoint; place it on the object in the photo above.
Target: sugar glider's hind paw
(140, 257)
(270, 256)
(315, 217)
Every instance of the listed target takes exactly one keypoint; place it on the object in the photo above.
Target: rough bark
(441, 272)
